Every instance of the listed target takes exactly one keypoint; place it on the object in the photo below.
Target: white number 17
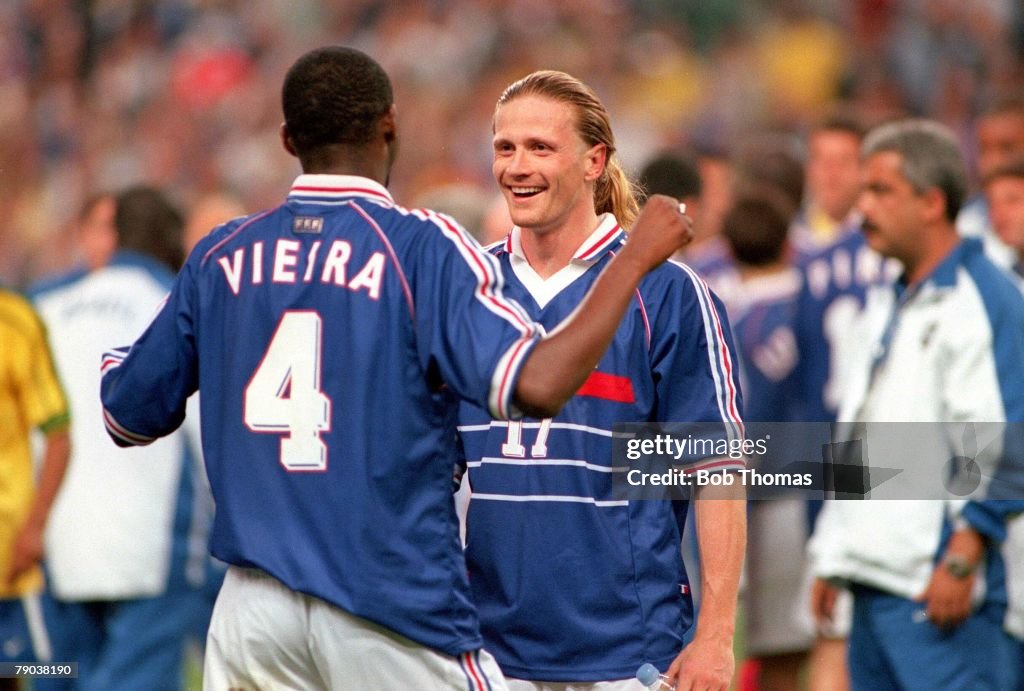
(513, 446)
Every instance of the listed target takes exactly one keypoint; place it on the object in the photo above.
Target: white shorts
(776, 602)
(263, 635)
(622, 685)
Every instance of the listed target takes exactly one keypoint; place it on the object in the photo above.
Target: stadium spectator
(31, 397)
(941, 345)
(577, 589)
(100, 95)
(125, 549)
(832, 182)
(328, 336)
(999, 137)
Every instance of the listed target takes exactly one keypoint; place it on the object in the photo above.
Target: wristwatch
(958, 566)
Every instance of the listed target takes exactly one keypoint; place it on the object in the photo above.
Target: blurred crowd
(97, 95)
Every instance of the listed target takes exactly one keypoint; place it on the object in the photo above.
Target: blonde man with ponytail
(614, 192)
(576, 587)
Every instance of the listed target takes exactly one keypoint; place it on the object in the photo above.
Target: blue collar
(944, 275)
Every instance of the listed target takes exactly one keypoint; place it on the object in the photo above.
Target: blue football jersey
(763, 326)
(328, 336)
(572, 583)
(834, 285)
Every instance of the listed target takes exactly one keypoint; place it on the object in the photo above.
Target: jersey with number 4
(328, 336)
(572, 583)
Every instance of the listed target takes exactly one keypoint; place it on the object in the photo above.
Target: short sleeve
(474, 336)
(43, 399)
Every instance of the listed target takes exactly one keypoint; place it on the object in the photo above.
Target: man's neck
(338, 159)
(752, 273)
(936, 250)
(551, 250)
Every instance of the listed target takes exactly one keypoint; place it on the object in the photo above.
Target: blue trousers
(123, 644)
(893, 646)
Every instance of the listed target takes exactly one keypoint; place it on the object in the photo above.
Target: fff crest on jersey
(308, 224)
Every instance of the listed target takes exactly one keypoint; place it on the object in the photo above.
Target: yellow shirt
(30, 396)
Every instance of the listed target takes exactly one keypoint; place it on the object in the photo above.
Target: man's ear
(597, 160)
(935, 204)
(286, 140)
(388, 125)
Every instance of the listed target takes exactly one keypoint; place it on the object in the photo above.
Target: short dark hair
(671, 173)
(774, 160)
(334, 95)
(757, 224)
(147, 222)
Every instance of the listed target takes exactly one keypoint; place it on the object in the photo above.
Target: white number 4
(284, 397)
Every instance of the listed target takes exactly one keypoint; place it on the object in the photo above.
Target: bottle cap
(648, 674)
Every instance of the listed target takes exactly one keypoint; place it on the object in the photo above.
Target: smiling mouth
(525, 192)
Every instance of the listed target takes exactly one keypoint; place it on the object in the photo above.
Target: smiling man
(576, 587)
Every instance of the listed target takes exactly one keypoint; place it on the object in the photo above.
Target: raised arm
(561, 361)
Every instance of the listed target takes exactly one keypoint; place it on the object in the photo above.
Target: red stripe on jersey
(610, 387)
(643, 313)
(484, 288)
(597, 246)
(726, 362)
(130, 437)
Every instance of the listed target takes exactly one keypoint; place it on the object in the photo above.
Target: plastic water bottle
(653, 680)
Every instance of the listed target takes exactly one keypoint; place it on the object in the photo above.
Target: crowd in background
(96, 95)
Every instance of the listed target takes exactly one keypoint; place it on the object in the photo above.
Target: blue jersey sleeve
(693, 359)
(145, 387)
(474, 337)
